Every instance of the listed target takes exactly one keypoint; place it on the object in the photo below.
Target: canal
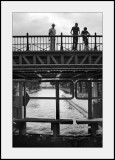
(44, 108)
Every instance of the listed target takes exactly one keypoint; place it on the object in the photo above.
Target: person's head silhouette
(85, 28)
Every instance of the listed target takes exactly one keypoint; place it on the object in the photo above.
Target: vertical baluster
(102, 43)
(34, 43)
(31, 44)
(27, 42)
(91, 43)
(78, 48)
(40, 43)
(17, 44)
(45, 38)
(23, 43)
(43, 43)
(71, 43)
(20, 43)
(95, 47)
(64, 43)
(12, 44)
(80, 43)
(68, 43)
(99, 43)
(61, 42)
(57, 43)
(37, 43)
(46, 43)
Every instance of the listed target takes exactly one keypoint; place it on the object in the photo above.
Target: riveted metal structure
(32, 56)
(34, 61)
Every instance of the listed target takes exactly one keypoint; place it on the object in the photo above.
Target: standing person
(52, 32)
(85, 33)
(74, 31)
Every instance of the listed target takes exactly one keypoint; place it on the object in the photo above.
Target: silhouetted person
(52, 32)
(85, 33)
(74, 31)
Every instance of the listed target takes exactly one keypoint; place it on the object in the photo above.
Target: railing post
(27, 49)
(95, 47)
(57, 108)
(61, 42)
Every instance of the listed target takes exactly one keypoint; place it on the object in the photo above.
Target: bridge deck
(32, 57)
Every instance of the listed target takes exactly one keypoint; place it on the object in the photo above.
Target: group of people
(75, 31)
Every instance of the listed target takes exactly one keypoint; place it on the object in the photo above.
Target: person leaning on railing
(52, 32)
(74, 31)
(85, 33)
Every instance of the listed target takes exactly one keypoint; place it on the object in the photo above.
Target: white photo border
(107, 8)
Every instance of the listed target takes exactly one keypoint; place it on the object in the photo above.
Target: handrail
(55, 36)
(59, 43)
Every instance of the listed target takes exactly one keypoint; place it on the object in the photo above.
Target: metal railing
(62, 43)
(55, 123)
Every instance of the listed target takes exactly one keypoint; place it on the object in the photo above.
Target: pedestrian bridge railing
(62, 43)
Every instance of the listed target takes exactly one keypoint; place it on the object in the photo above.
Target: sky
(40, 23)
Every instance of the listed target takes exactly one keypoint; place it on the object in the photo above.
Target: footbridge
(32, 57)
(78, 72)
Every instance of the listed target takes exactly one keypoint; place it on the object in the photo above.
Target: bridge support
(18, 104)
(96, 104)
(57, 128)
(89, 105)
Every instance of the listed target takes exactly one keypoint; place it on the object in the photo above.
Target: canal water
(44, 108)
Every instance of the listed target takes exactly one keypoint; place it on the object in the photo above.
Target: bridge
(34, 61)
(32, 57)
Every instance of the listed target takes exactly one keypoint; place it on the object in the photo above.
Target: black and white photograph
(57, 78)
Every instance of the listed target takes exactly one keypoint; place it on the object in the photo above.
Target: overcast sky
(39, 23)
